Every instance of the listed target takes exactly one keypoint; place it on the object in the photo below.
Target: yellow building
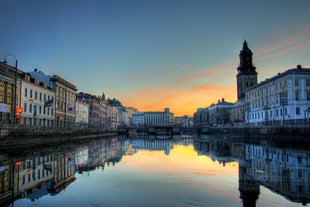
(9, 100)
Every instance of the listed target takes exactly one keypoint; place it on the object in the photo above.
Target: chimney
(223, 100)
(298, 67)
(36, 69)
(219, 101)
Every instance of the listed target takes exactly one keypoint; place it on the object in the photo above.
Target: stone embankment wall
(19, 138)
(265, 131)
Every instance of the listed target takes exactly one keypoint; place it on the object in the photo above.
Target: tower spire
(247, 75)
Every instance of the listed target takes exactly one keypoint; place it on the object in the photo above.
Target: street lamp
(15, 87)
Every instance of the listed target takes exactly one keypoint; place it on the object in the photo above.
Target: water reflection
(257, 169)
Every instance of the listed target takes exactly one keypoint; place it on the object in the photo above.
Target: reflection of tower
(249, 188)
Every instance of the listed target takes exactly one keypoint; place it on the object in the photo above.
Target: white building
(37, 103)
(282, 99)
(184, 121)
(81, 113)
(159, 118)
(138, 119)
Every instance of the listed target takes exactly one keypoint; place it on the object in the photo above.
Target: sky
(153, 54)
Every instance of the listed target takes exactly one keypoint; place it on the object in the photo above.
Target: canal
(144, 171)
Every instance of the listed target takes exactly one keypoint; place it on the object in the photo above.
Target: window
(30, 108)
(35, 95)
(40, 96)
(297, 95)
(44, 97)
(297, 110)
(30, 93)
(25, 92)
(25, 107)
(308, 95)
(40, 109)
(296, 82)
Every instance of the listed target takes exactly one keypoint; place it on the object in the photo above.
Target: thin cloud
(290, 47)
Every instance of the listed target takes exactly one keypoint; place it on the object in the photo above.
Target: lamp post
(15, 87)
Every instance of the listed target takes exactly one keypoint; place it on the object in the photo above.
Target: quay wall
(264, 131)
(15, 138)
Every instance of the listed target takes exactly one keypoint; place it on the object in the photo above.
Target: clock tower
(247, 75)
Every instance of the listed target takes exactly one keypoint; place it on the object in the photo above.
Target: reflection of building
(35, 176)
(64, 169)
(284, 171)
(147, 144)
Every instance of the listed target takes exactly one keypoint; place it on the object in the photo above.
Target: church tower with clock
(247, 75)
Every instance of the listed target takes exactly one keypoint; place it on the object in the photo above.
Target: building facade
(201, 117)
(138, 119)
(9, 99)
(164, 118)
(81, 113)
(282, 99)
(64, 101)
(37, 101)
(219, 114)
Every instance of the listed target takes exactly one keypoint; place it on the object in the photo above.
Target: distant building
(81, 113)
(121, 110)
(130, 111)
(282, 99)
(138, 119)
(94, 109)
(219, 114)
(201, 117)
(183, 121)
(164, 118)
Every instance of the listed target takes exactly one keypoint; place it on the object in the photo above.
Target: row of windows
(280, 85)
(278, 113)
(37, 110)
(36, 175)
(282, 99)
(36, 95)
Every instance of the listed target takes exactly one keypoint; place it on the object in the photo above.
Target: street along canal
(146, 171)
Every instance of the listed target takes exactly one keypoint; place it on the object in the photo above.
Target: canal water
(149, 171)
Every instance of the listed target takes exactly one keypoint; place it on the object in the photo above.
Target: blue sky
(153, 54)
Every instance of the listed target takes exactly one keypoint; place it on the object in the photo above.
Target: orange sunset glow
(180, 157)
